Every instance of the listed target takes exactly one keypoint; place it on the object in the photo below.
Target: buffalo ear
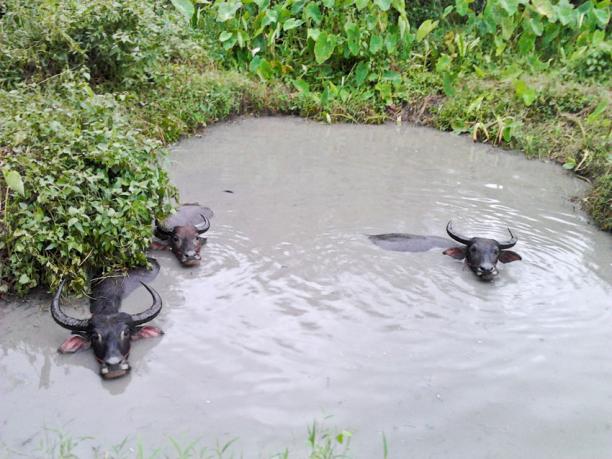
(146, 331)
(456, 252)
(508, 256)
(73, 344)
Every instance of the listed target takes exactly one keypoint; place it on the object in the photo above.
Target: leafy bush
(323, 43)
(116, 41)
(81, 186)
(365, 49)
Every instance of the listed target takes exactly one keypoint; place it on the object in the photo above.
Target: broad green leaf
(255, 63)
(301, 85)
(443, 64)
(328, 3)
(230, 42)
(292, 23)
(264, 70)
(545, 8)
(463, 7)
(500, 45)
(384, 5)
(509, 6)
(13, 180)
(526, 43)
(425, 29)
(313, 12)
(227, 10)
(361, 4)
(534, 25)
(324, 46)
(353, 35)
(361, 72)
(399, 6)
(385, 91)
(598, 37)
(391, 41)
(242, 38)
(602, 16)
(570, 164)
(297, 7)
(23, 279)
(313, 34)
(565, 12)
(225, 35)
(185, 7)
(507, 27)
(271, 17)
(392, 76)
(403, 25)
(526, 93)
(448, 82)
(599, 110)
(376, 43)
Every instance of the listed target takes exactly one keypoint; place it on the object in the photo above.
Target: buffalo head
(109, 332)
(184, 240)
(482, 254)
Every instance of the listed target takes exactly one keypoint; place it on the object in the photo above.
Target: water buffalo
(482, 254)
(402, 242)
(110, 331)
(182, 232)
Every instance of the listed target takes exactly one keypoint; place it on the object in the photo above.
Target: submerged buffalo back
(402, 242)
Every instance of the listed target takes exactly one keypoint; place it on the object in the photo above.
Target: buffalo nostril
(190, 253)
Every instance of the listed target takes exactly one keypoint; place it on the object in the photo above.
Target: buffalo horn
(63, 319)
(152, 312)
(204, 226)
(507, 244)
(455, 236)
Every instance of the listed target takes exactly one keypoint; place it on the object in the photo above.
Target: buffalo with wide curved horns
(183, 232)
(109, 331)
(482, 254)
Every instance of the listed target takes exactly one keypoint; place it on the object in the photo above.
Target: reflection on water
(294, 315)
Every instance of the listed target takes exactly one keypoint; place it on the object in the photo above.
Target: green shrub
(91, 185)
(116, 41)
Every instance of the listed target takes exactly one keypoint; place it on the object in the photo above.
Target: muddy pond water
(295, 316)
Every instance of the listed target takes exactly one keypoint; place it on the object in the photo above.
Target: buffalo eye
(97, 337)
(496, 251)
(125, 333)
(175, 238)
(473, 249)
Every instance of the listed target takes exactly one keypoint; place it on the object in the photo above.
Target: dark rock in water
(402, 242)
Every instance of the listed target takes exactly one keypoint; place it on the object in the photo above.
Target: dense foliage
(343, 46)
(86, 188)
(79, 186)
(90, 91)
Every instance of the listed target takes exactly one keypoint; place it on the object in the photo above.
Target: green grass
(321, 442)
